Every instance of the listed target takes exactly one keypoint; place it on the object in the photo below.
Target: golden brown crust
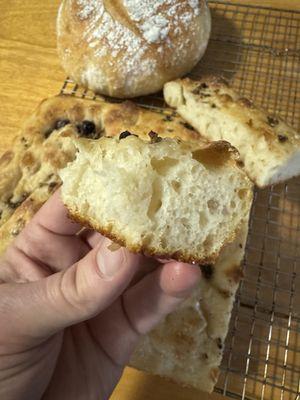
(219, 155)
(187, 346)
(218, 91)
(108, 232)
(113, 118)
(23, 214)
(235, 273)
(105, 48)
(137, 120)
(40, 150)
(214, 374)
(6, 158)
(269, 147)
(33, 148)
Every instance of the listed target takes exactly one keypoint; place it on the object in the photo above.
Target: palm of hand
(72, 311)
(72, 364)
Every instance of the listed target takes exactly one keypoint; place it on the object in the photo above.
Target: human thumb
(42, 308)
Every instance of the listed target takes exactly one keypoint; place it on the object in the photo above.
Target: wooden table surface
(30, 71)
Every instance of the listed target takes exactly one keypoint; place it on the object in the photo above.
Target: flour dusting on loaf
(154, 22)
(130, 48)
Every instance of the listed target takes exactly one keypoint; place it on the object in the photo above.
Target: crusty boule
(165, 198)
(129, 48)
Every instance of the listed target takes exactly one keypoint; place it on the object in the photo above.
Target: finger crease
(105, 352)
(67, 299)
(48, 230)
(128, 319)
(32, 259)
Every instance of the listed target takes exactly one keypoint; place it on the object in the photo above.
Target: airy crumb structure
(29, 170)
(163, 197)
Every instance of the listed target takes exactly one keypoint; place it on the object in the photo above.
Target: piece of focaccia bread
(29, 170)
(29, 176)
(269, 148)
(163, 197)
(187, 347)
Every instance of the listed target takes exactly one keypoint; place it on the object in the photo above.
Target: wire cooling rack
(258, 50)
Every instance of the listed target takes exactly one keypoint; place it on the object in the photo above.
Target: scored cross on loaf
(129, 48)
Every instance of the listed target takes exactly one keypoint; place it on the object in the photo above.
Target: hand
(72, 310)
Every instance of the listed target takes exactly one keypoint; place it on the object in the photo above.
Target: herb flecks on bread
(181, 348)
(29, 171)
(269, 148)
(165, 197)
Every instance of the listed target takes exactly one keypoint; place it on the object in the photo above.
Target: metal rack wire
(258, 50)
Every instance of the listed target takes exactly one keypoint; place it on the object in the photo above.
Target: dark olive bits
(282, 138)
(87, 129)
(207, 270)
(15, 204)
(154, 137)
(272, 121)
(168, 118)
(124, 135)
(199, 90)
(61, 123)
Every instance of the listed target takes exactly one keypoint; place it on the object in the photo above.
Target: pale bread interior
(168, 198)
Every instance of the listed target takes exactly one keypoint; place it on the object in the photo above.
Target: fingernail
(110, 262)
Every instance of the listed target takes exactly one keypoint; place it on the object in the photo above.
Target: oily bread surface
(40, 149)
(154, 353)
(269, 148)
(187, 347)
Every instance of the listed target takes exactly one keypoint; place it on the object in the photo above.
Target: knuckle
(71, 293)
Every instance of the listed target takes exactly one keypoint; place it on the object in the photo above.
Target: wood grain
(29, 72)
(29, 67)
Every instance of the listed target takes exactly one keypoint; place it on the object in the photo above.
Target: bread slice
(188, 345)
(269, 148)
(165, 197)
(29, 170)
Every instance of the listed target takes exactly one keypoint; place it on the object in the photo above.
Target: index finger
(53, 216)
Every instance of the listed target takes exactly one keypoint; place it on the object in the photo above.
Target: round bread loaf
(128, 48)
